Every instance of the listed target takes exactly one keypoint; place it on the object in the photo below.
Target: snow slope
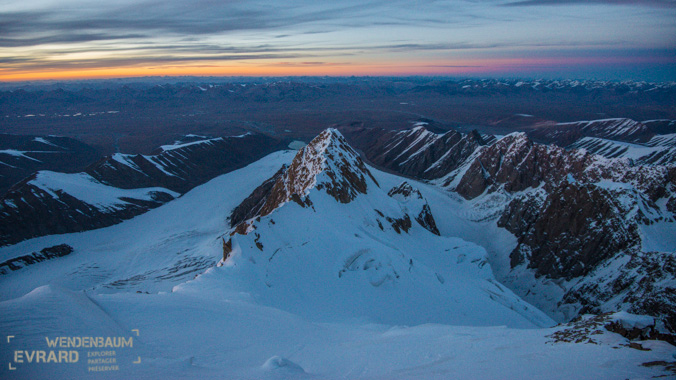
(152, 252)
(84, 187)
(291, 315)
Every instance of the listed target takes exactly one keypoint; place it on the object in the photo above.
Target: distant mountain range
(136, 116)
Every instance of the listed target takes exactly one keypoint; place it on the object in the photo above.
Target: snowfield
(329, 295)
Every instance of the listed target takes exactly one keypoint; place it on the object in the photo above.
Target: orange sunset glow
(542, 38)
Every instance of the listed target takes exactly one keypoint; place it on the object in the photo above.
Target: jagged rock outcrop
(587, 328)
(119, 187)
(252, 205)
(573, 213)
(35, 257)
(638, 282)
(569, 231)
(330, 165)
(515, 163)
(416, 152)
(328, 157)
(416, 204)
(327, 163)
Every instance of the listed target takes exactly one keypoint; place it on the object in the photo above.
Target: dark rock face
(400, 224)
(635, 333)
(411, 196)
(639, 282)
(426, 219)
(416, 152)
(252, 205)
(608, 138)
(516, 163)
(406, 191)
(227, 249)
(184, 166)
(576, 215)
(28, 210)
(573, 230)
(661, 127)
(343, 173)
(35, 257)
(585, 329)
(660, 150)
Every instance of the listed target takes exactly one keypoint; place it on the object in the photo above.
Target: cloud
(150, 19)
(29, 63)
(81, 34)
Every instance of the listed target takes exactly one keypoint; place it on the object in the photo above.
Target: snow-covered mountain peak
(349, 248)
(326, 163)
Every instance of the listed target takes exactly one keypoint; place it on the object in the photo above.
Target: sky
(592, 39)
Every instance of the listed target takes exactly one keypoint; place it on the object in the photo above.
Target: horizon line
(327, 76)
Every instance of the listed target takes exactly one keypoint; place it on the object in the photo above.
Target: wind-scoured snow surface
(327, 305)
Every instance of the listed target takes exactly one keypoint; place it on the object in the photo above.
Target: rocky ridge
(22, 155)
(573, 214)
(120, 187)
(619, 129)
(416, 152)
(327, 164)
(326, 219)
